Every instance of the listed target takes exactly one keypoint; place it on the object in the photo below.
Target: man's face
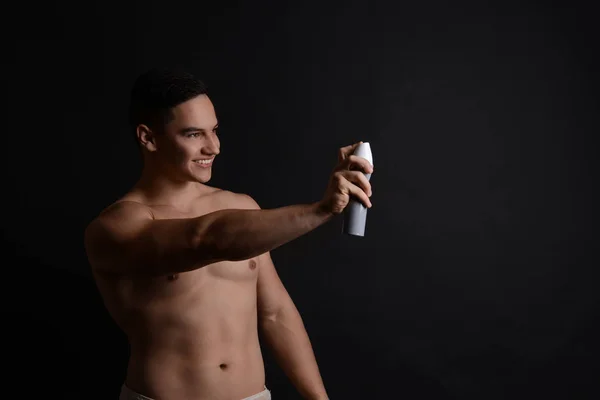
(189, 138)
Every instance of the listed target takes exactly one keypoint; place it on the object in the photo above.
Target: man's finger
(346, 151)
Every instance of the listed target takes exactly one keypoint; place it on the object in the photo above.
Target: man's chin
(204, 178)
(198, 174)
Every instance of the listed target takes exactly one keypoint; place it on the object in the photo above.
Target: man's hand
(347, 180)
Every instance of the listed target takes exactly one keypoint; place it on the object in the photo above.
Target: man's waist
(197, 352)
(195, 372)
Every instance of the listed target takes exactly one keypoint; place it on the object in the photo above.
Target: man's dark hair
(156, 91)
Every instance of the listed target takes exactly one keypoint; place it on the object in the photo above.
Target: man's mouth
(204, 163)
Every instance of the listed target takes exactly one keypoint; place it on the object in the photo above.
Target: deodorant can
(355, 213)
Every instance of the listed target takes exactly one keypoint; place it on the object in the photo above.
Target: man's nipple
(252, 264)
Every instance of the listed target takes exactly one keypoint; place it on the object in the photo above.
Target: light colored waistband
(128, 394)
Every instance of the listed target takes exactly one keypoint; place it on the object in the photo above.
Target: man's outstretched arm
(127, 239)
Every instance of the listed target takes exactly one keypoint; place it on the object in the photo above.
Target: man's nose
(213, 146)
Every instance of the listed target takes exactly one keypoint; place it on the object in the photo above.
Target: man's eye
(192, 134)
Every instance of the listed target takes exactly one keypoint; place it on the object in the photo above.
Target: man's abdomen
(224, 371)
(204, 346)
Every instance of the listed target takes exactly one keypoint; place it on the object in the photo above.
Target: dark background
(475, 279)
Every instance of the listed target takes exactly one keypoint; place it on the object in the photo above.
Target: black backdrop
(475, 279)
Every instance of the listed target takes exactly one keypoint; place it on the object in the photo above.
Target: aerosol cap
(364, 150)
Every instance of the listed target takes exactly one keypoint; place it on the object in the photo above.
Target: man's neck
(160, 189)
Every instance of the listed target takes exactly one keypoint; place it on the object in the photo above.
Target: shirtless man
(185, 268)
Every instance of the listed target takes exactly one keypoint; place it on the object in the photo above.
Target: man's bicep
(272, 295)
(112, 238)
(137, 243)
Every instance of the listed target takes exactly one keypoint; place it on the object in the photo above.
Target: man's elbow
(281, 311)
(269, 314)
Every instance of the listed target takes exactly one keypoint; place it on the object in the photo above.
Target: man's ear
(146, 137)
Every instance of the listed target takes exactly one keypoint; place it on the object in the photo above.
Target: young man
(185, 268)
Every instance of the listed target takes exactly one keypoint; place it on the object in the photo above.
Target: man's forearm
(235, 235)
(286, 336)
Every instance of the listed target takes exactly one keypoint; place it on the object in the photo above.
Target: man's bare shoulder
(119, 216)
(240, 200)
(117, 223)
(125, 209)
